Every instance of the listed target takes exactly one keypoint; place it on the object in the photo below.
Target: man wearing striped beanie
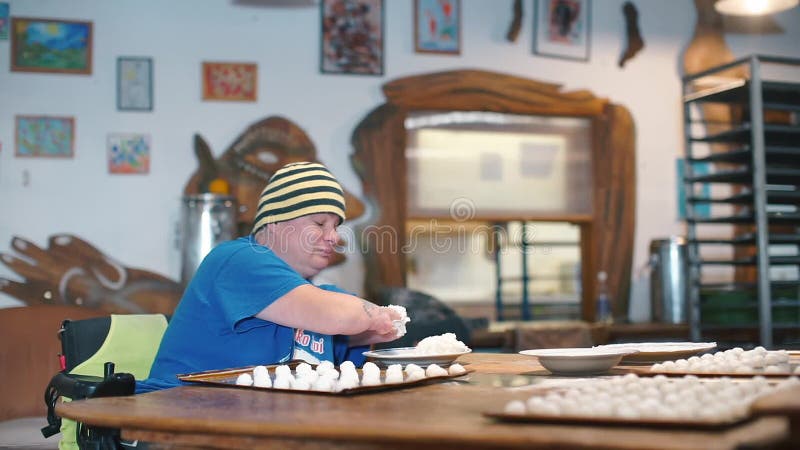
(252, 302)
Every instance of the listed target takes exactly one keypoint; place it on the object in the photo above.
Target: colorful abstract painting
(128, 153)
(230, 81)
(352, 37)
(3, 20)
(45, 45)
(45, 136)
(436, 26)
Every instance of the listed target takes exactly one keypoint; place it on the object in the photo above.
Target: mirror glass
(493, 205)
(491, 165)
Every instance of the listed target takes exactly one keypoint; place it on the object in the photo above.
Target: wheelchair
(88, 347)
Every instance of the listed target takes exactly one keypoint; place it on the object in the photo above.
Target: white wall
(132, 217)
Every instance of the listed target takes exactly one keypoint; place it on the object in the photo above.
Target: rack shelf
(775, 175)
(790, 326)
(744, 155)
(749, 218)
(751, 261)
(746, 197)
(719, 287)
(774, 135)
(749, 239)
(776, 95)
(759, 160)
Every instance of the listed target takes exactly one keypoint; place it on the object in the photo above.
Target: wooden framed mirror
(379, 160)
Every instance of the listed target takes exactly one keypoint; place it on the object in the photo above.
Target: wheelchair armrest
(78, 387)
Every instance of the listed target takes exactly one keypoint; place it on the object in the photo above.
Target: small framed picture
(128, 153)
(134, 84)
(230, 81)
(352, 37)
(4, 17)
(48, 45)
(437, 26)
(562, 29)
(44, 137)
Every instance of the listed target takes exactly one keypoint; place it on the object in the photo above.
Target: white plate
(407, 355)
(578, 361)
(652, 352)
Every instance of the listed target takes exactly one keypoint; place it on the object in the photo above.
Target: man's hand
(381, 328)
(381, 318)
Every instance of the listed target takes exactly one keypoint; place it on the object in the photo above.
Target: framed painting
(45, 136)
(4, 9)
(437, 26)
(351, 37)
(230, 81)
(48, 45)
(134, 84)
(562, 29)
(128, 153)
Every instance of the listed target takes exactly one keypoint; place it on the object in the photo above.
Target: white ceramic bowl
(578, 361)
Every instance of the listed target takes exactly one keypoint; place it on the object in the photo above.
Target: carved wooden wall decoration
(70, 271)
(379, 141)
(254, 156)
(633, 36)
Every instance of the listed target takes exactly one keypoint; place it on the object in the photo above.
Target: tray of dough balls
(630, 400)
(325, 378)
(735, 362)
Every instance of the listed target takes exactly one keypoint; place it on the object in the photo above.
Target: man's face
(306, 243)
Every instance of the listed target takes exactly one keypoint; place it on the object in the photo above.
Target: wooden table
(438, 416)
(504, 335)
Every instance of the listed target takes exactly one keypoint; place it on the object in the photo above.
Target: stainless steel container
(669, 271)
(206, 220)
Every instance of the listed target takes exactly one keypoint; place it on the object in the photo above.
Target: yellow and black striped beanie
(299, 189)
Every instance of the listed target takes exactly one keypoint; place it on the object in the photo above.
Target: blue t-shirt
(214, 326)
(312, 347)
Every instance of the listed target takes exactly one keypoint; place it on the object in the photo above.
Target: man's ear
(262, 234)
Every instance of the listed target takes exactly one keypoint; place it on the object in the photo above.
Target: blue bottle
(603, 306)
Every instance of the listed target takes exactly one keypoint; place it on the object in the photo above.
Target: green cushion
(131, 344)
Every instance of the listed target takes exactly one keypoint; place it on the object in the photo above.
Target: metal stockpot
(669, 272)
(206, 220)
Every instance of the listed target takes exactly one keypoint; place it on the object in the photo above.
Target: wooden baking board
(644, 371)
(227, 378)
(615, 421)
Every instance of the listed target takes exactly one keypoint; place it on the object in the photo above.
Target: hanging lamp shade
(753, 7)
